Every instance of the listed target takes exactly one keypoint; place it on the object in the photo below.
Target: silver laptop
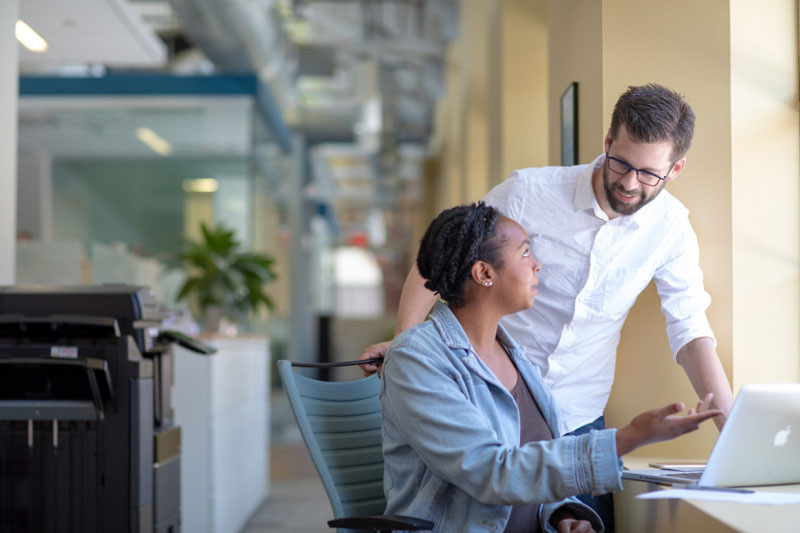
(759, 444)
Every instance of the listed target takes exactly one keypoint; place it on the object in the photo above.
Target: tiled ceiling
(94, 32)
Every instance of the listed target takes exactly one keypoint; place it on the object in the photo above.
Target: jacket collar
(454, 335)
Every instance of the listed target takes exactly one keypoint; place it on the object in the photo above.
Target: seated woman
(469, 428)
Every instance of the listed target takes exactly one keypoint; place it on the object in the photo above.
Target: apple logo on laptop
(782, 436)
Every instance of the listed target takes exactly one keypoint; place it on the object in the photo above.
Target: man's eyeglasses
(645, 177)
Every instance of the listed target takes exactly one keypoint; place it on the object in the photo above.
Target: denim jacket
(451, 437)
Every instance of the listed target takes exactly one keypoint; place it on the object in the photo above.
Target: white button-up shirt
(593, 269)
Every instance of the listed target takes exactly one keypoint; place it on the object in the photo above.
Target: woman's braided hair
(454, 241)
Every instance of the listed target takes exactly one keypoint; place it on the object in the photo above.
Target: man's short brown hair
(652, 113)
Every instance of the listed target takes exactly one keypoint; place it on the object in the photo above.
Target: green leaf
(218, 273)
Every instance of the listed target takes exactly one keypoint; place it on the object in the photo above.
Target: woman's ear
(482, 273)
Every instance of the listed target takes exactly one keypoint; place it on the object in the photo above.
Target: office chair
(341, 426)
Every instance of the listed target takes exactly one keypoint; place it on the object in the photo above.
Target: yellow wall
(575, 46)
(476, 20)
(687, 50)
(462, 139)
(494, 116)
(524, 87)
(448, 142)
(766, 192)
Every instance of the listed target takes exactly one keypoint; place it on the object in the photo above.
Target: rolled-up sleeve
(684, 300)
(508, 196)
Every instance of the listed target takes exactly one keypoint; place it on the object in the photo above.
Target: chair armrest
(382, 523)
(335, 364)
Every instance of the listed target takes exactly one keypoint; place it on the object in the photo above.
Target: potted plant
(222, 280)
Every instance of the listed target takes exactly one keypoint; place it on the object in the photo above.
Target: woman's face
(517, 278)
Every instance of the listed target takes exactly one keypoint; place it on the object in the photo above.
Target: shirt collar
(585, 198)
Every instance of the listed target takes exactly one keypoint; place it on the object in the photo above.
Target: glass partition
(121, 182)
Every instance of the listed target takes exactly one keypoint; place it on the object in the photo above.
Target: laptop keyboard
(687, 475)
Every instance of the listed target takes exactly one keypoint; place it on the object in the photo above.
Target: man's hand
(376, 350)
(573, 525)
(415, 302)
(662, 424)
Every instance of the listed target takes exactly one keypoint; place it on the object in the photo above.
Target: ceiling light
(201, 185)
(152, 139)
(29, 38)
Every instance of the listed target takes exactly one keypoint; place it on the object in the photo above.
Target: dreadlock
(454, 241)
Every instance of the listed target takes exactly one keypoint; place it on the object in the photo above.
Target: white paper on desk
(758, 497)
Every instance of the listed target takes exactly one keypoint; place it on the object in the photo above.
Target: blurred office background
(303, 126)
(327, 133)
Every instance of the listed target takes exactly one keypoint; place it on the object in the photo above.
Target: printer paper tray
(47, 410)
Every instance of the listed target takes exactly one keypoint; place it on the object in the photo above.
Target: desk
(656, 516)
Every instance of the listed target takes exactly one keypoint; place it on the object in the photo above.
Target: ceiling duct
(331, 64)
(241, 36)
(391, 55)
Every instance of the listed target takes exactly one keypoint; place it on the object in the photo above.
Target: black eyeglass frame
(637, 170)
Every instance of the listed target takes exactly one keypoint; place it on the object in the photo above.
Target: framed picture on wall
(569, 125)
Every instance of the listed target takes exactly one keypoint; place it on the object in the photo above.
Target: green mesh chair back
(341, 425)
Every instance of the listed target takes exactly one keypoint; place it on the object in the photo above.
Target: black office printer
(87, 439)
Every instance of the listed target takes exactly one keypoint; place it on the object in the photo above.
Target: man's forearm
(700, 362)
(415, 301)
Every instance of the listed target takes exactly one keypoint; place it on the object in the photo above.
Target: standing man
(602, 232)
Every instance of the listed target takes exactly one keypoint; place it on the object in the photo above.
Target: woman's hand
(573, 525)
(662, 424)
(566, 520)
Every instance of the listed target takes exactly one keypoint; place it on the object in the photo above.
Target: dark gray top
(533, 427)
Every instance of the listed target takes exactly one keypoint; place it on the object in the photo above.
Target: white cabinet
(221, 404)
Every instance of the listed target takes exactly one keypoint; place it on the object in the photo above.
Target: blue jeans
(603, 504)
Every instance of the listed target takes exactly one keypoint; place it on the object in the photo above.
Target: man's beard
(617, 205)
